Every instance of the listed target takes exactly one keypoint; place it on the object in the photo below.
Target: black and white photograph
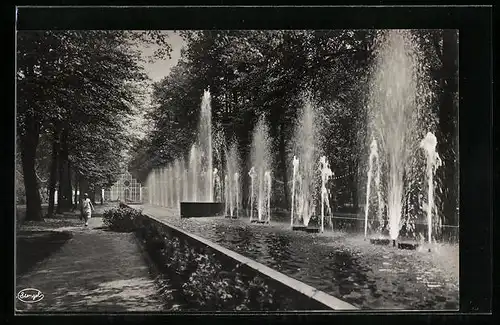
(237, 170)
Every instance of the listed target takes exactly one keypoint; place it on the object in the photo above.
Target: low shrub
(122, 219)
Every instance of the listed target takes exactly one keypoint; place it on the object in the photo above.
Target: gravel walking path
(88, 270)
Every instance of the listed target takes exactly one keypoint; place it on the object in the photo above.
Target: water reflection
(334, 271)
(367, 276)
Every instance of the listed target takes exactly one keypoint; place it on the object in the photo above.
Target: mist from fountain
(178, 183)
(150, 185)
(205, 149)
(193, 173)
(398, 105)
(295, 164)
(156, 182)
(217, 186)
(185, 183)
(428, 144)
(227, 196)
(326, 173)
(261, 162)
(252, 175)
(161, 187)
(371, 160)
(232, 171)
(219, 152)
(305, 147)
(268, 180)
(237, 193)
(170, 191)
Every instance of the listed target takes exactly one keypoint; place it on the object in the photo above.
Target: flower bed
(205, 279)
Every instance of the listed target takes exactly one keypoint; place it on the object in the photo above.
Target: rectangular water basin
(201, 209)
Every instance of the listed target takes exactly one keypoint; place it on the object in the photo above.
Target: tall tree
(69, 79)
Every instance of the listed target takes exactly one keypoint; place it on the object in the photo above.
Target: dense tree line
(76, 94)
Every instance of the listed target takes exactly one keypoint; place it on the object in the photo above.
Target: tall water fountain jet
(294, 175)
(161, 186)
(156, 177)
(397, 103)
(175, 186)
(228, 201)
(158, 186)
(171, 185)
(205, 148)
(237, 193)
(170, 191)
(165, 187)
(178, 183)
(193, 170)
(156, 182)
(252, 175)
(151, 187)
(306, 150)
(166, 178)
(373, 158)
(232, 171)
(217, 186)
(218, 145)
(326, 173)
(428, 144)
(268, 180)
(185, 183)
(261, 162)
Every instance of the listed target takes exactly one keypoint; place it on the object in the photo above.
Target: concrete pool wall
(314, 299)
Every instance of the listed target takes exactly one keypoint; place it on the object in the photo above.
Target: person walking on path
(87, 208)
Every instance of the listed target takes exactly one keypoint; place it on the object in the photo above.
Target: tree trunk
(65, 195)
(78, 188)
(70, 185)
(29, 143)
(448, 149)
(282, 153)
(76, 196)
(53, 174)
(92, 193)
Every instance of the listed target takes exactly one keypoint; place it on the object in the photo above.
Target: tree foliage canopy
(82, 89)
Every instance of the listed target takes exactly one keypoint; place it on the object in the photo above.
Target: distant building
(126, 189)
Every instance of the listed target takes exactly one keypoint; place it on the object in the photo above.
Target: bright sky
(158, 70)
(161, 68)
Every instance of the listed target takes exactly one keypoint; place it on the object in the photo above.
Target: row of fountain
(398, 114)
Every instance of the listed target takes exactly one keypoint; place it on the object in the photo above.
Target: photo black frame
(475, 124)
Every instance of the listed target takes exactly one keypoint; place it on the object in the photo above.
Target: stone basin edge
(296, 285)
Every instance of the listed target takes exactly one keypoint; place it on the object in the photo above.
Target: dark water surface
(342, 265)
